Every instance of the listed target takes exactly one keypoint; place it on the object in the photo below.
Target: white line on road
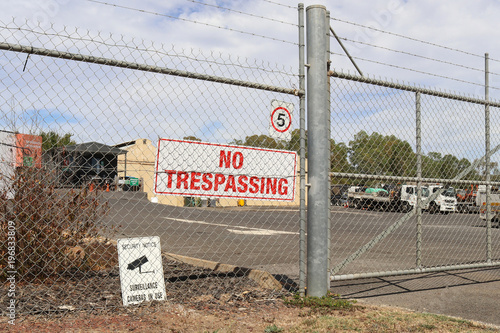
(241, 230)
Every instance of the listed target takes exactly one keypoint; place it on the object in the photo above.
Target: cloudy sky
(235, 27)
(437, 44)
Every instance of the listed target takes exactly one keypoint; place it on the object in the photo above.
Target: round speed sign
(281, 119)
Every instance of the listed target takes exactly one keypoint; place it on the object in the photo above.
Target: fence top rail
(410, 88)
(142, 67)
(413, 179)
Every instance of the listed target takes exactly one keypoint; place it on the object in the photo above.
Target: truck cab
(446, 202)
(409, 195)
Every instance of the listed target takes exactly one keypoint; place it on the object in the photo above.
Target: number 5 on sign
(281, 120)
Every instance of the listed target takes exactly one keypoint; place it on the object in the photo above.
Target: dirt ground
(90, 301)
(243, 314)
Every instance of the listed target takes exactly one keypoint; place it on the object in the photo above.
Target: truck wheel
(406, 207)
(433, 208)
(357, 204)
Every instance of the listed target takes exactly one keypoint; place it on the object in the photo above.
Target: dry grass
(269, 318)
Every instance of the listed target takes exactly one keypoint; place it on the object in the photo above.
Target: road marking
(240, 230)
(365, 213)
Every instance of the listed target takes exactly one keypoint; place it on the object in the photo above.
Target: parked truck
(494, 203)
(467, 200)
(400, 198)
(446, 202)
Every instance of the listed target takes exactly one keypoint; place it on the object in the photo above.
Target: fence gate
(398, 134)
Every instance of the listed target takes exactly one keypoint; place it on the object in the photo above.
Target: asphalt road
(268, 239)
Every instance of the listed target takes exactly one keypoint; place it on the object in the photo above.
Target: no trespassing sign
(192, 168)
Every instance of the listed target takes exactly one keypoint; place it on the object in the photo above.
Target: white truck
(401, 198)
(494, 203)
(446, 202)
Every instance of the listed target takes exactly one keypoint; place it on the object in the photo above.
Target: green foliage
(48, 225)
(382, 155)
(339, 154)
(263, 141)
(434, 165)
(329, 301)
(52, 139)
(378, 154)
(191, 138)
(273, 329)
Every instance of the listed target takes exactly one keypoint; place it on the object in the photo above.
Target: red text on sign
(225, 159)
(182, 180)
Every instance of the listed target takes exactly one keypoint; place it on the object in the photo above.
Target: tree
(262, 141)
(52, 139)
(294, 143)
(435, 165)
(191, 138)
(339, 153)
(381, 155)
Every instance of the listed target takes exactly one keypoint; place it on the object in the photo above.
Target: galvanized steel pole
(487, 155)
(318, 152)
(302, 107)
(419, 178)
(328, 93)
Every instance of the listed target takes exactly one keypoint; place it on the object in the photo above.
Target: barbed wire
(280, 4)
(412, 39)
(242, 13)
(416, 71)
(416, 55)
(193, 21)
(144, 49)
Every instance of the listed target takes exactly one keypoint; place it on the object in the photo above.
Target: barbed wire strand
(243, 13)
(411, 38)
(135, 48)
(416, 71)
(417, 56)
(192, 21)
(280, 4)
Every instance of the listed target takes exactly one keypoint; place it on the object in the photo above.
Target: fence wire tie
(27, 58)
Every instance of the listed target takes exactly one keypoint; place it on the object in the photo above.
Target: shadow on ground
(469, 294)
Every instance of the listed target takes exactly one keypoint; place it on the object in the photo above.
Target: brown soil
(91, 300)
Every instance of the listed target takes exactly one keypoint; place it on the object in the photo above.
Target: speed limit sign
(281, 120)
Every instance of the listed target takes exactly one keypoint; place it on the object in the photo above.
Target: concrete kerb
(263, 278)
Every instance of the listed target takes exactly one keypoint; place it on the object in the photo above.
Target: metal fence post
(329, 142)
(487, 155)
(318, 152)
(302, 107)
(419, 178)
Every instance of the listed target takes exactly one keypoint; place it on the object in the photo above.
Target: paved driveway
(267, 238)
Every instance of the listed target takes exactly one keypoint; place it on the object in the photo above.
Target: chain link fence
(90, 111)
(112, 144)
(411, 176)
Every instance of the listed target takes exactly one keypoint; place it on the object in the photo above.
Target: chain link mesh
(94, 133)
(374, 132)
(79, 145)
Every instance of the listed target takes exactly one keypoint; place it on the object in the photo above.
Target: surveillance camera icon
(138, 263)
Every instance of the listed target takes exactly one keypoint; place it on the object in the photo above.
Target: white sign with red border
(281, 120)
(200, 169)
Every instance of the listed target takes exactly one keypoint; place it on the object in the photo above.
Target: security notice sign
(192, 168)
(141, 270)
(281, 120)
